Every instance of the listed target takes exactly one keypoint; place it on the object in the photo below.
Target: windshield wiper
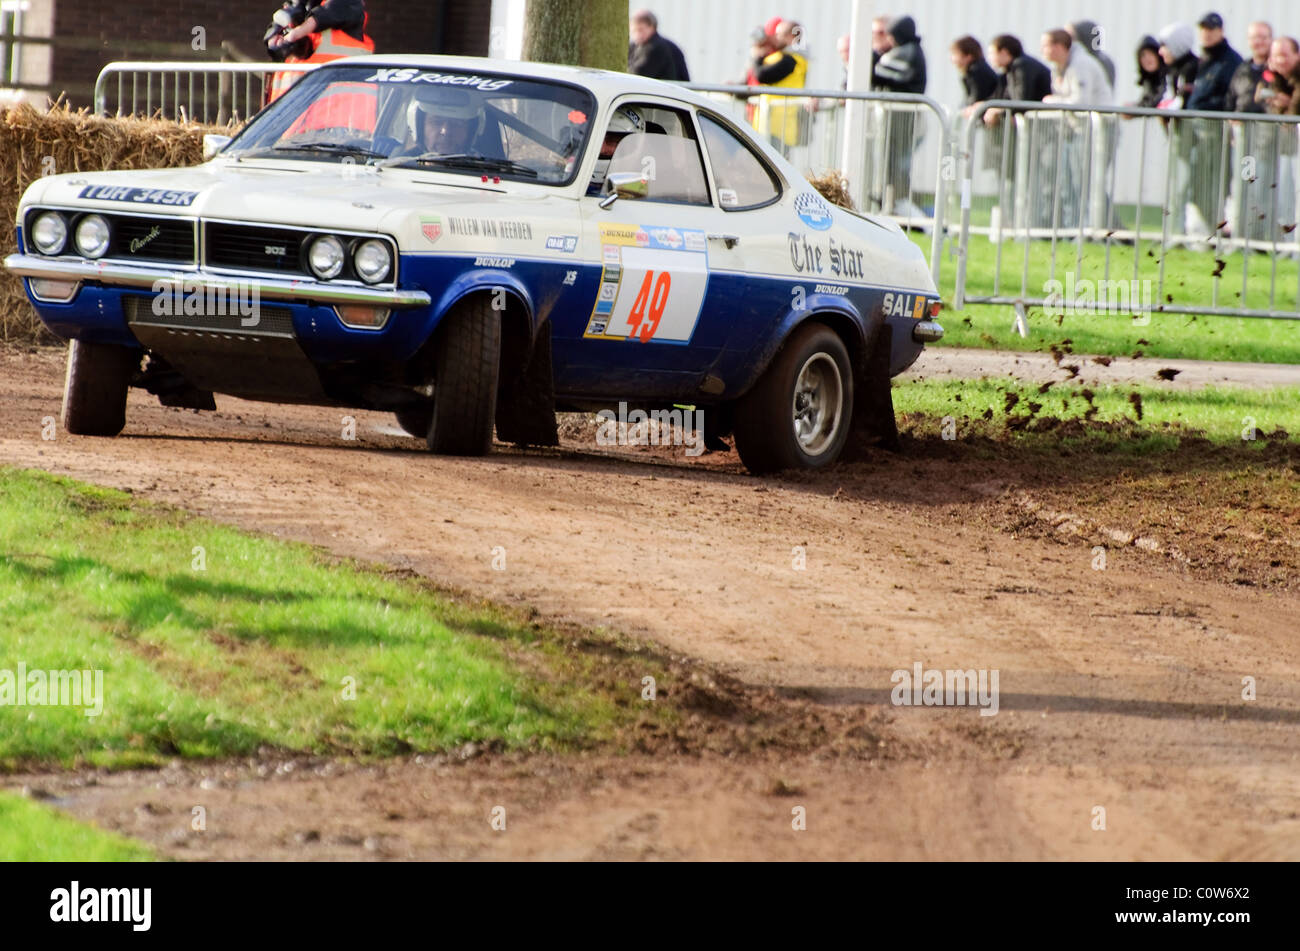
(334, 147)
(463, 160)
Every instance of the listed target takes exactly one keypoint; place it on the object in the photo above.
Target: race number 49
(648, 308)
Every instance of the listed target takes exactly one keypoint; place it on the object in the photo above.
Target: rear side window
(743, 179)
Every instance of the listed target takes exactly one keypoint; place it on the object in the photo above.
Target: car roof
(604, 83)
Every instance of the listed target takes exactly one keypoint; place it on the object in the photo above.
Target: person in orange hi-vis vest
(326, 30)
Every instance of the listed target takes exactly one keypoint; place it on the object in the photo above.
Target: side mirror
(624, 185)
(212, 144)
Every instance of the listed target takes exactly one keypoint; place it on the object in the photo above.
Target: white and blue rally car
(474, 245)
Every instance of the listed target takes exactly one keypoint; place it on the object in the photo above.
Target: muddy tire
(467, 365)
(416, 420)
(94, 390)
(797, 415)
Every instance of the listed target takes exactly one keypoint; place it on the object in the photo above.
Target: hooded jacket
(1180, 77)
(901, 69)
(1214, 78)
(1152, 83)
(1088, 35)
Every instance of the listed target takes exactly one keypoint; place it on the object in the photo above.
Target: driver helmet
(445, 102)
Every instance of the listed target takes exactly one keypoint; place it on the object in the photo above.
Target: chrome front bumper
(267, 288)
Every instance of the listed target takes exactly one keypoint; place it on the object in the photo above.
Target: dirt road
(1120, 689)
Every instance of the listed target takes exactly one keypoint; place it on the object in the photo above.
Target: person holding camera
(315, 31)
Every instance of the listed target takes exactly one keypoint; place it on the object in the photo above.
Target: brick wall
(90, 33)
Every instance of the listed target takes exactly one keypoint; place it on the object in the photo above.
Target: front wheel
(797, 415)
(94, 391)
(467, 366)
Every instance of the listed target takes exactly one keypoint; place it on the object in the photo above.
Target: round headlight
(92, 236)
(50, 233)
(372, 261)
(326, 257)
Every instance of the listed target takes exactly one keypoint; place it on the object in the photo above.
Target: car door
(754, 269)
(648, 332)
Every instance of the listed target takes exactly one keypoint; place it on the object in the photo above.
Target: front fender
(485, 280)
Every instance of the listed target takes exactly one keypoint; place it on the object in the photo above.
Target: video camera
(285, 19)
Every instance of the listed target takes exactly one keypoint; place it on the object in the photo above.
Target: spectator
(1151, 73)
(1210, 93)
(1089, 35)
(1077, 77)
(1024, 79)
(1284, 66)
(1214, 73)
(977, 76)
(1176, 49)
(881, 42)
(1250, 204)
(653, 55)
(901, 68)
(1250, 74)
(1280, 99)
(783, 121)
(1176, 42)
(326, 30)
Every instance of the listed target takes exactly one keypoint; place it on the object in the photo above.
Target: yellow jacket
(779, 116)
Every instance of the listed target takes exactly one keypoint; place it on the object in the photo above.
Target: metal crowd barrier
(186, 90)
(1048, 174)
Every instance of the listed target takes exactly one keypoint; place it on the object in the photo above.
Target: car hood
(321, 194)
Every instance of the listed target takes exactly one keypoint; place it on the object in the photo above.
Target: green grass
(253, 651)
(1188, 278)
(30, 832)
(1219, 414)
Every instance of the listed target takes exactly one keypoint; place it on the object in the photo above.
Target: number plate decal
(652, 285)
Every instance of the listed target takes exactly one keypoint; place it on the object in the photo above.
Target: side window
(743, 179)
(658, 144)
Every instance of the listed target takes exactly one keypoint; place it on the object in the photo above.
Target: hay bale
(58, 140)
(833, 187)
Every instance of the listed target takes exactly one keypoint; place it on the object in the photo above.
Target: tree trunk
(577, 33)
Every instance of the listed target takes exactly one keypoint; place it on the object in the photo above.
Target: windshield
(453, 122)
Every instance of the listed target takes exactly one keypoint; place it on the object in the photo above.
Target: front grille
(151, 239)
(252, 248)
(273, 320)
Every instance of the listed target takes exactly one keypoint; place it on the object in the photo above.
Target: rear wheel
(467, 365)
(94, 391)
(797, 415)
